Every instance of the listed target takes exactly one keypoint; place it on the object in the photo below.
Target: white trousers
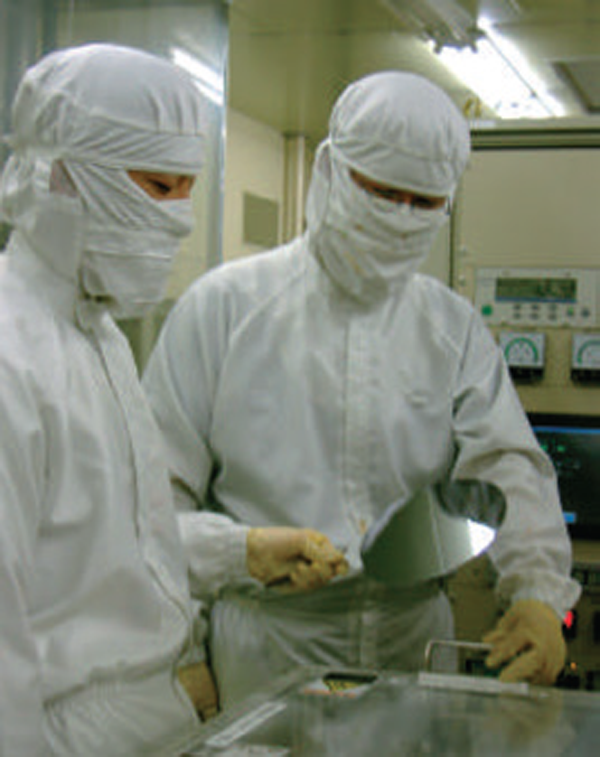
(256, 637)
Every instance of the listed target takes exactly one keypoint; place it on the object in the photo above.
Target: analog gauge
(521, 352)
(522, 349)
(586, 353)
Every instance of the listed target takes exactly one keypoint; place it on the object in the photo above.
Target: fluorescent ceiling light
(500, 76)
(487, 63)
(445, 22)
(208, 81)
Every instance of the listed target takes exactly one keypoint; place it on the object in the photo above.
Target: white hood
(76, 106)
(397, 129)
(400, 129)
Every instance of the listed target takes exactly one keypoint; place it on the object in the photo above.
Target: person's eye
(385, 194)
(424, 203)
(160, 187)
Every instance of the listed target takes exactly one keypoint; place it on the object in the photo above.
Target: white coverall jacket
(285, 402)
(95, 615)
(88, 542)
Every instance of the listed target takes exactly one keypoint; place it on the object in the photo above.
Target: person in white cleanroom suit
(94, 608)
(315, 384)
(96, 622)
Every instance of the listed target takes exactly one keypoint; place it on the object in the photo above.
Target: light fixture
(445, 22)
(500, 76)
(486, 62)
(208, 81)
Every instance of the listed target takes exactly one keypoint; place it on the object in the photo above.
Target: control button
(487, 310)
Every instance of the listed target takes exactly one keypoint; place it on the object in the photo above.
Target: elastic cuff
(239, 552)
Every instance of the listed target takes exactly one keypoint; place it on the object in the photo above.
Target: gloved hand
(531, 633)
(296, 559)
(199, 684)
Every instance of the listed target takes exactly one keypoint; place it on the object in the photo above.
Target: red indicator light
(569, 625)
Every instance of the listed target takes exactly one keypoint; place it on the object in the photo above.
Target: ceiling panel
(312, 16)
(583, 76)
(289, 59)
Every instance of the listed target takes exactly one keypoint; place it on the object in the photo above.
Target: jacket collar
(60, 294)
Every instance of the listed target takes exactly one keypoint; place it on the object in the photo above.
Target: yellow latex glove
(531, 633)
(296, 559)
(199, 684)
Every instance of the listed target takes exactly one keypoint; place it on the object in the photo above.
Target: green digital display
(536, 290)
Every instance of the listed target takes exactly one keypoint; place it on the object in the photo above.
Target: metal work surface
(317, 712)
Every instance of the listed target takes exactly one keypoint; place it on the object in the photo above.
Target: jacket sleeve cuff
(558, 592)
(215, 547)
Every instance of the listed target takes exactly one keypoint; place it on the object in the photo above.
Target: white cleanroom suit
(94, 602)
(315, 384)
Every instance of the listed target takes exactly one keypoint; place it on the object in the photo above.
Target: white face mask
(131, 239)
(132, 269)
(369, 245)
